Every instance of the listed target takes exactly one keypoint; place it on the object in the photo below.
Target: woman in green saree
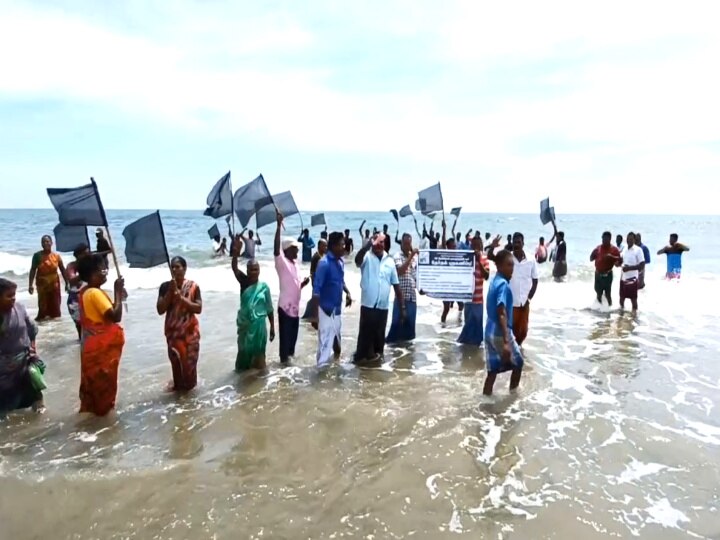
(255, 307)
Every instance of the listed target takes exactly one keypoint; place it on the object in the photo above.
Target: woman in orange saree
(44, 274)
(180, 301)
(102, 338)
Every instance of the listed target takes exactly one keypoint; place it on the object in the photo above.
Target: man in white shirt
(250, 242)
(523, 285)
(633, 264)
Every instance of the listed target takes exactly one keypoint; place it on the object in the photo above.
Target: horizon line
(201, 210)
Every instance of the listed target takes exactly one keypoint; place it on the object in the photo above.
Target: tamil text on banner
(447, 274)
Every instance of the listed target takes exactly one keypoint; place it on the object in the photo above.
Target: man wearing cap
(290, 287)
(379, 274)
(102, 246)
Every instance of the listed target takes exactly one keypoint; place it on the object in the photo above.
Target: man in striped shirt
(472, 332)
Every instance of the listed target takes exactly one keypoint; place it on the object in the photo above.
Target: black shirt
(561, 252)
(103, 245)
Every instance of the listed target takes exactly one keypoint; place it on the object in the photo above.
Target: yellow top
(96, 303)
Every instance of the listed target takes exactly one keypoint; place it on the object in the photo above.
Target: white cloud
(632, 85)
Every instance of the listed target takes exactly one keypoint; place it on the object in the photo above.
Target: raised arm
(240, 276)
(33, 272)
(554, 233)
(444, 234)
(403, 268)
(276, 245)
(360, 255)
(397, 238)
(360, 230)
(63, 272)
(258, 241)
(417, 229)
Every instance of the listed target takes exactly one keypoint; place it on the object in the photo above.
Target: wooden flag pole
(107, 228)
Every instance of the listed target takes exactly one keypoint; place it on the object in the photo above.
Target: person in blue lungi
(502, 353)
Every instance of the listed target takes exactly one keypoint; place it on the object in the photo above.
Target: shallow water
(614, 432)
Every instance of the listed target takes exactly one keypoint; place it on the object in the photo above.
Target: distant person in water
(646, 254)
(364, 236)
(348, 242)
(431, 236)
(216, 245)
(388, 242)
(103, 338)
(674, 251)
(21, 381)
(180, 301)
(327, 294)
(378, 276)
(310, 313)
(620, 243)
(524, 284)
(541, 253)
(509, 245)
(255, 307)
(606, 257)
(502, 353)
(75, 284)
(558, 255)
(286, 254)
(449, 243)
(308, 244)
(324, 234)
(251, 242)
(223, 247)
(102, 246)
(472, 331)
(45, 271)
(633, 263)
(402, 330)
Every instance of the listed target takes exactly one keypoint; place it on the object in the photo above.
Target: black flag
(456, 211)
(213, 231)
(317, 219)
(395, 214)
(69, 237)
(220, 199)
(78, 206)
(405, 211)
(145, 242)
(284, 203)
(430, 200)
(250, 198)
(547, 214)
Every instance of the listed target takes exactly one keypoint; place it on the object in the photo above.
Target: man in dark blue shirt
(328, 289)
(646, 252)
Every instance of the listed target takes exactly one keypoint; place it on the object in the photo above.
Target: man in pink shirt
(290, 287)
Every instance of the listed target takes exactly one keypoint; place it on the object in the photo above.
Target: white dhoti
(329, 329)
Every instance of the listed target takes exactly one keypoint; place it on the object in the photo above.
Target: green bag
(37, 380)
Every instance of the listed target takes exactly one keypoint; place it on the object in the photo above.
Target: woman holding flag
(255, 306)
(180, 301)
(102, 337)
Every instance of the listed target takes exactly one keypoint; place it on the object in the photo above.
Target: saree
(101, 349)
(182, 332)
(255, 306)
(48, 284)
(21, 381)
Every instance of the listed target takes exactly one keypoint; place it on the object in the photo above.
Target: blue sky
(356, 106)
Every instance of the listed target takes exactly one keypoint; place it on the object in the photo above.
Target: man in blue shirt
(328, 289)
(646, 253)
(379, 274)
(674, 251)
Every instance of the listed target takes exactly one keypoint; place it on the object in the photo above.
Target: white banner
(447, 274)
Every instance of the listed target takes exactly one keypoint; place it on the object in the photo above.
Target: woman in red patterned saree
(180, 301)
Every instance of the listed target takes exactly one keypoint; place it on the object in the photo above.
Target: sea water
(614, 431)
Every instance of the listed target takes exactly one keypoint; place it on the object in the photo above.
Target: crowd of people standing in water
(498, 321)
